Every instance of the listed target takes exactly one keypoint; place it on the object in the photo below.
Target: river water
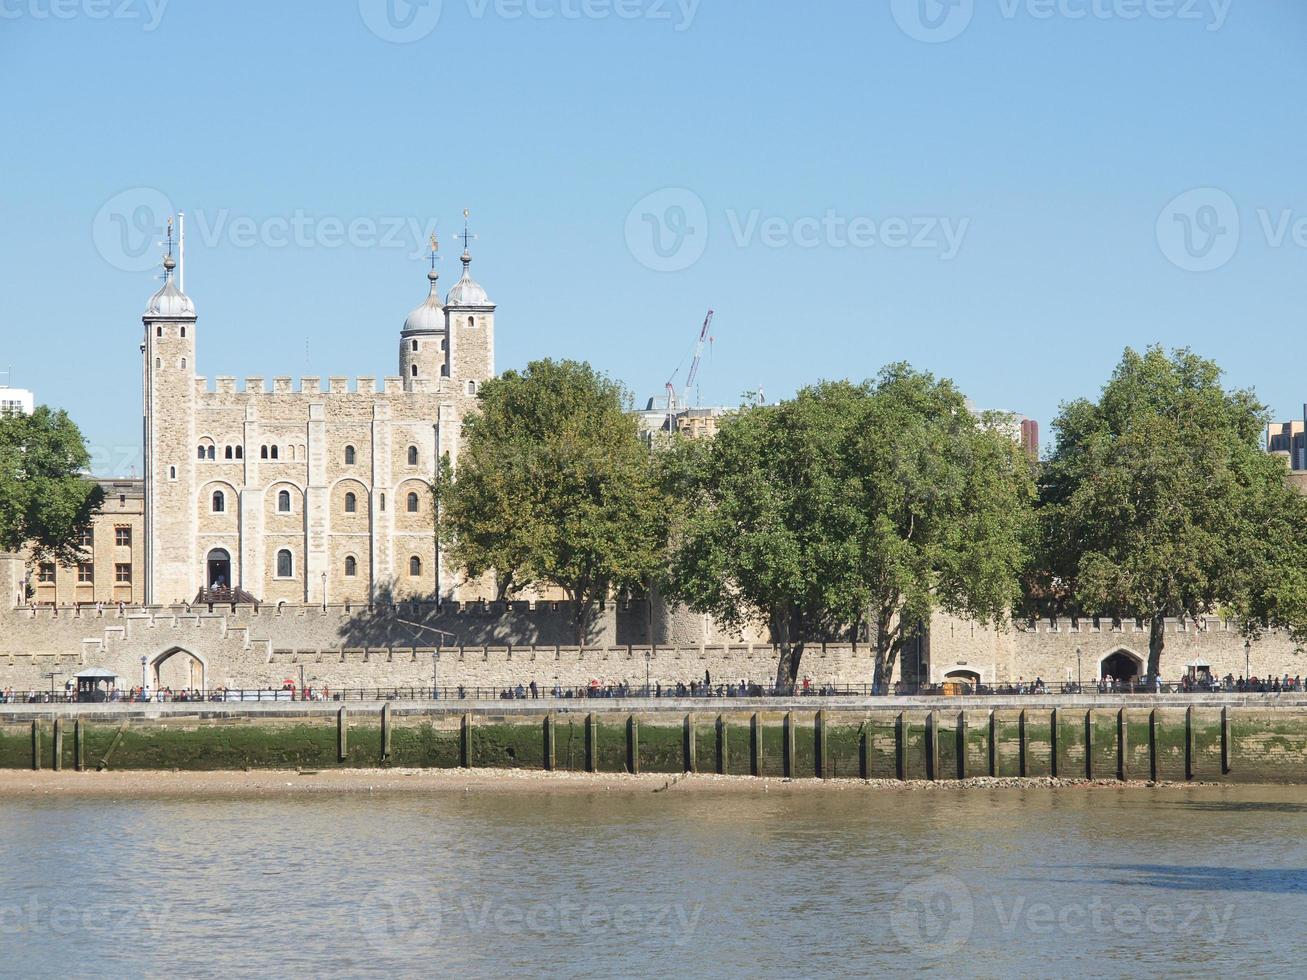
(789, 882)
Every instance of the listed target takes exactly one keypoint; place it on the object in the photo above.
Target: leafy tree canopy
(45, 500)
(554, 487)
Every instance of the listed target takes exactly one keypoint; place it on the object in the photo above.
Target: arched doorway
(219, 569)
(178, 670)
(968, 679)
(1123, 666)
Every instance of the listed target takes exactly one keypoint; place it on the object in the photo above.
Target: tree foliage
(1158, 500)
(553, 487)
(871, 503)
(45, 500)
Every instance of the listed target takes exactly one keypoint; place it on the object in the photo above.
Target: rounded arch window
(414, 566)
(414, 370)
(415, 345)
(351, 566)
(471, 387)
(351, 503)
(285, 564)
(412, 455)
(350, 456)
(274, 452)
(412, 503)
(240, 452)
(219, 502)
(227, 453)
(283, 502)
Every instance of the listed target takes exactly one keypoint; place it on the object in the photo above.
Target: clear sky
(1004, 192)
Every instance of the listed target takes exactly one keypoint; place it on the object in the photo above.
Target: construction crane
(673, 406)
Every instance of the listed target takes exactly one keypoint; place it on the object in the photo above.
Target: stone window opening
(471, 387)
(183, 333)
(412, 455)
(415, 345)
(274, 451)
(158, 331)
(383, 502)
(227, 453)
(471, 321)
(414, 370)
(122, 536)
(240, 452)
(350, 456)
(351, 566)
(283, 502)
(412, 503)
(85, 572)
(444, 370)
(183, 364)
(351, 504)
(414, 566)
(45, 574)
(285, 564)
(172, 472)
(122, 573)
(219, 502)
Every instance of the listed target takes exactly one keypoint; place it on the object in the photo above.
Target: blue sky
(1005, 192)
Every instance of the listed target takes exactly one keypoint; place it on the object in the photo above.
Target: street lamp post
(1247, 662)
(144, 683)
(1080, 680)
(324, 590)
(648, 655)
(435, 674)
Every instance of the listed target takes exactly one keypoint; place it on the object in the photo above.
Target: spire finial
(433, 275)
(467, 236)
(169, 263)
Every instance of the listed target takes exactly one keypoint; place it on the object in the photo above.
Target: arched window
(351, 503)
(351, 566)
(183, 364)
(240, 452)
(415, 345)
(414, 566)
(471, 321)
(158, 331)
(213, 452)
(471, 387)
(199, 452)
(263, 452)
(350, 456)
(444, 370)
(183, 333)
(412, 503)
(219, 501)
(383, 502)
(227, 453)
(274, 452)
(172, 472)
(158, 362)
(283, 502)
(414, 370)
(285, 564)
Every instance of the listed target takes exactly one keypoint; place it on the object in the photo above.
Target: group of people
(743, 688)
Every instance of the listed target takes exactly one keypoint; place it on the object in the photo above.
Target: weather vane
(467, 236)
(435, 247)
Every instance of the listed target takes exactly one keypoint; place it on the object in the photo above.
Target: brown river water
(788, 882)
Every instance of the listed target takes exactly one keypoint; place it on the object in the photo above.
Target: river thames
(791, 881)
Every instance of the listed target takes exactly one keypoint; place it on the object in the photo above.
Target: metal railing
(656, 691)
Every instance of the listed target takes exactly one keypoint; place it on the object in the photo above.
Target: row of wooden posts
(821, 745)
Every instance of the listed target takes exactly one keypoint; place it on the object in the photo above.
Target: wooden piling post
(864, 753)
(79, 745)
(932, 745)
(721, 746)
(58, 745)
(755, 745)
(385, 732)
(900, 748)
(591, 743)
(551, 743)
(1152, 745)
(1089, 743)
(962, 744)
(1052, 739)
(1122, 747)
(1225, 740)
(465, 752)
(342, 734)
(993, 742)
(788, 745)
(1022, 762)
(821, 754)
(1189, 743)
(632, 745)
(36, 744)
(687, 744)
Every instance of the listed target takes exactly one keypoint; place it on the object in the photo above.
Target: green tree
(874, 503)
(45, 500)
(554, 487)
(1158, 501)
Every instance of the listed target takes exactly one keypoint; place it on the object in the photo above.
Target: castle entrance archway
(219, 569)
(1121, 665)
(178, 670)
